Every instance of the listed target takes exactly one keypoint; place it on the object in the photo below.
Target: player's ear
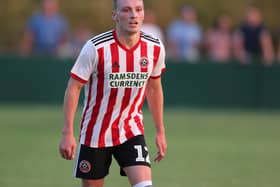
(114, 15)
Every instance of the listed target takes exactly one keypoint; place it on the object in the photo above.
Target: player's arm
(67, 145)
(155, 101)
(267, 47)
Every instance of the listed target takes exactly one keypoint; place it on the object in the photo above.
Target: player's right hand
(67, 147)
(161, 145)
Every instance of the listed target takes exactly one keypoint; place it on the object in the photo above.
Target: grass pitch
(205, 149)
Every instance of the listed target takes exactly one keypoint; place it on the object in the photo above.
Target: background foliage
(97, 14)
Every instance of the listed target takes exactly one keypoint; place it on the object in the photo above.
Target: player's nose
(133, 13)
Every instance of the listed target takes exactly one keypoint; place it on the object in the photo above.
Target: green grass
(205, 149)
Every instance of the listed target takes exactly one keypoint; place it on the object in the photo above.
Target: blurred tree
(97, 14)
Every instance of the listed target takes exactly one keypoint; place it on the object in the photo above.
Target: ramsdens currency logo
(128, 80)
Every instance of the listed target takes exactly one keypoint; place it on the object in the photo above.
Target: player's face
(129, 15)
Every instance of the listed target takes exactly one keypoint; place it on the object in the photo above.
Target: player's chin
(133, 30)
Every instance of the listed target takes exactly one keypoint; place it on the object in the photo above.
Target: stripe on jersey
(137, 119)
(102, 36)
(127, 127)
(104, 40)
(121, 92)
(76, 77)
(128, 131)
(156, 77)
(87, 106)
(156, 56)
(155, 41)
(112, 101)
(150, 38)
(125, 99)
(99, 96)
(144, 52)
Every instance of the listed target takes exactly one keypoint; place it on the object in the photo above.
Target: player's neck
(128, 40)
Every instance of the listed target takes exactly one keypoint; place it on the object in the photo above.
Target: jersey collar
(122, 46)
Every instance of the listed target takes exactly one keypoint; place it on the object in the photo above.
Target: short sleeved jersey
(115, 82)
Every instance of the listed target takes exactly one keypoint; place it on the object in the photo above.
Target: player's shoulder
(150, 38)
(102, 39)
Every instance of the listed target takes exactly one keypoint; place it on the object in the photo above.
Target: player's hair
(115, 4)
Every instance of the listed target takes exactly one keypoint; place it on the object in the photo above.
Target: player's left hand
(161, 145)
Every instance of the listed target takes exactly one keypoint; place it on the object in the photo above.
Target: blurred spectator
(150, 27)
(73, 46)
(45, 31)
(278, 48)
(219, 39)
(184, 36)
(253, 40)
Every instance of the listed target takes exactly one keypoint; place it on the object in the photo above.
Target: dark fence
(43, 80)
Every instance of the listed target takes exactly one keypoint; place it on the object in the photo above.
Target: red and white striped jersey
(115, 86)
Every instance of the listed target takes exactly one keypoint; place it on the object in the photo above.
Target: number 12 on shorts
(140, 157)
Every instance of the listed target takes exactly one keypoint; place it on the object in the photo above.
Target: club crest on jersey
(84, 166)
(144, 62)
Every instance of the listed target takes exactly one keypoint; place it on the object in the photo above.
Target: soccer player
(118, 69)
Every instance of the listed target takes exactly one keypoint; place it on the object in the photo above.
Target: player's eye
(139, 9)
(125, 10)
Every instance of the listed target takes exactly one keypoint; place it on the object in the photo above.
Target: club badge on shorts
(144, 62)
(84, 166)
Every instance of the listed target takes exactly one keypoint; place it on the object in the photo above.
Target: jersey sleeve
(85, 63)
(160, 63)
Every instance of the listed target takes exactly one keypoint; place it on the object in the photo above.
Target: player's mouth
(133, 23)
